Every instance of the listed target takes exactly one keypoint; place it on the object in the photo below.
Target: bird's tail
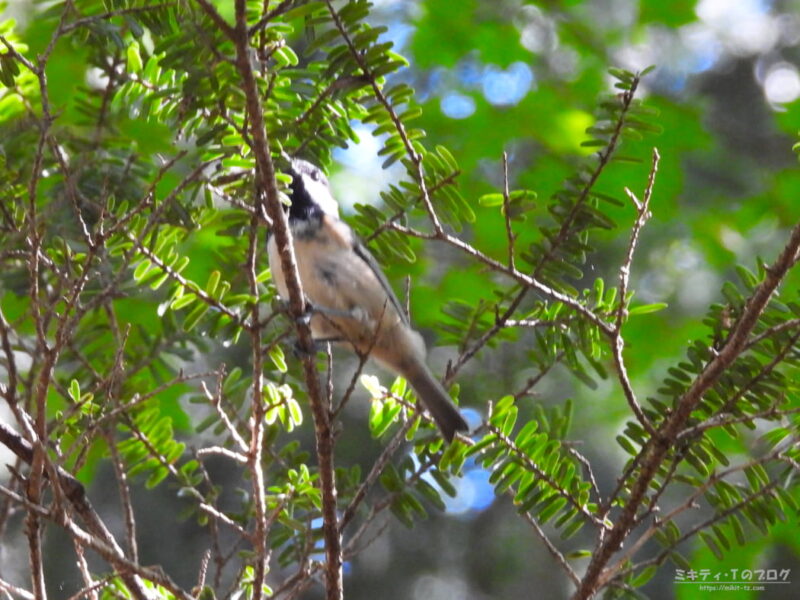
(436, 400)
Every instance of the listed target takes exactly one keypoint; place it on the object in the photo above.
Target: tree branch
(239, 34)
(654, 452)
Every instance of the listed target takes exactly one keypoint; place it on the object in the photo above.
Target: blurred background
(524, 78)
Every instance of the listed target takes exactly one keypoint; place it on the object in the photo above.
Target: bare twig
(444, 181)
(510, 235)
(17, 591)
(90, 587)
(377, 468)
(522, 278)
(554, 552)
(787, 325)
(125, 498)
(617, 341)
(100, 539)
(216, 401)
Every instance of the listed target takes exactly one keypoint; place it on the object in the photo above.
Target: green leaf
(550, 511)
(571, 529)
(193, 318)
(493, 199)
(278, 358)
(141, 269)
(626, 445)
(183, 301)
(133, 57)
(156, 477)
(712, 545)
(213, 281)
(430, 493)
(75, 391)
(285, 57)
(295, 412)
(644, 309)
(646, 575)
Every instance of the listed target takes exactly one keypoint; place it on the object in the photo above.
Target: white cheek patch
(320, 194)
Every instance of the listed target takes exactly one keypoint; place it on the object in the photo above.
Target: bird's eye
(316, 175)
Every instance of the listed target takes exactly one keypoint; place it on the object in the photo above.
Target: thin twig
(413, 155)
(510, 235)
(125, 498)
(554, 552)
(617, 341)
(132, 10)
(518, 276)
(532, 467)
(8, 588)
(377, 468)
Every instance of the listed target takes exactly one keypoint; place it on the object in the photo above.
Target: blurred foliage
(131, 216)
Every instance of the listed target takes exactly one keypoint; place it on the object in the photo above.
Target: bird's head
(310, 192)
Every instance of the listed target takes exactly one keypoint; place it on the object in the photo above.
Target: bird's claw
(299, 352)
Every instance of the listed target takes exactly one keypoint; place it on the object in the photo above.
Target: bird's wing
(364, 254)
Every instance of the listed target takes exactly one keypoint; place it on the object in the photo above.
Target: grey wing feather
(365, 255)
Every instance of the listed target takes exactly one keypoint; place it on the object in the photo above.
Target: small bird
(351, 300)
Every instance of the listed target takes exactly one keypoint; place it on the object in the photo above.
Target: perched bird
(351, 300)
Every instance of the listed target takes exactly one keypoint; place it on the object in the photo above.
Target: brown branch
(239, 34)
(769, 332)
(33, 531)
(211, 11)
(89, 588)
(37, 434)
(76, 494)
(720, 421)
(256, 446)
(377, 468)
(533, 381)
(216, 401)
(219, 450)
(213, 512)
(9, 390)
(656, 449)
(768, 368)
(691, 502)
(17, 591)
